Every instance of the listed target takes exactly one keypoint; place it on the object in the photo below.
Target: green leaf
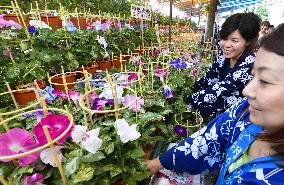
(4, 170)
(107, 167)
(84, 174)
(108, 123)
(115, 171)
(149, 116)
(72, 166)
(13, 72)
(22, 170)
(109, 148)
(93, 157)
(136, 153)
(23, 46)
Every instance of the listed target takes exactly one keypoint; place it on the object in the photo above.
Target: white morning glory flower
(78, 133)
(90, 140)
(107, 92)
(102, 41)
(47, 157)
(125, 131)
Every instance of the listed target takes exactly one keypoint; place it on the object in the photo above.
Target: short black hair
(248, 24)
(265, 23)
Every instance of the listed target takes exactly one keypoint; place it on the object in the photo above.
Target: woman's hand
(154, 165)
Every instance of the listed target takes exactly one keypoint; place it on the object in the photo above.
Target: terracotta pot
(92, 70)
(54, 22)
(16, 18)
(70, 78)
(24, 96)
(116, 62)
(104, 65)
(126, 57)
(82, 21)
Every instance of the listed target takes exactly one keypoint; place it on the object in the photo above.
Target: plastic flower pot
(70, 78)
(104, 65)
(23, 97)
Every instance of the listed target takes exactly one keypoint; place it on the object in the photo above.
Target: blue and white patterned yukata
(222, 86)
(221, 143)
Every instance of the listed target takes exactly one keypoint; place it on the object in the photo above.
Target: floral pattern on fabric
(221, 87)
(206, 150)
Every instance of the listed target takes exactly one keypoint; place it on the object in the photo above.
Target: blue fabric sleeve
(204, 150)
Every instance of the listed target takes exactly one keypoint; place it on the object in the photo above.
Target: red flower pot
(104, 65)
(116, 62)
(70, 78)
(81, 20)
(16, 18)
(92, 70)
(53, 22)
(23, 97)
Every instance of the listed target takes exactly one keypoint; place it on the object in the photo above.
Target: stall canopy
(229, 5)
(194, 7)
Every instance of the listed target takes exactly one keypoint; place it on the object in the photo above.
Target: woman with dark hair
(222, 85)
(245, 143)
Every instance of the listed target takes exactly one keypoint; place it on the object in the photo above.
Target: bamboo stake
(54, 154)
(12, 95)
(3, 181)
(65, 85)
(114, 94)
(4, 124)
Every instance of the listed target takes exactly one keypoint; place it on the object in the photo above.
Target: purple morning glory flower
(122, 22)
(99, 103)
(180, 130)
(32, 29)
(168, 92)
(116, 26)
(177, 64)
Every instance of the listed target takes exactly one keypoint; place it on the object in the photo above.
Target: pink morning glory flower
(106, 25)
(74, 95)
(17, 141)
(161, 72)
(33, 180)
(56, 125)
(134, 107)
(132, 77)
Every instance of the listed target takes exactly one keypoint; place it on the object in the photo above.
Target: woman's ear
(248, 44)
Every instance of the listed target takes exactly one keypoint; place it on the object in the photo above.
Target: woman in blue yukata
(246, 142)
(222, 85)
